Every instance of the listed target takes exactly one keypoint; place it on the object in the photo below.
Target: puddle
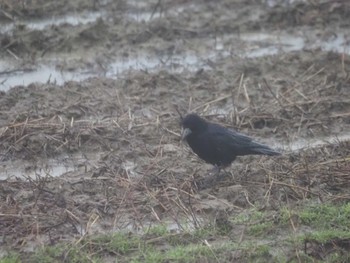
(85, 18)
(259, 44)
(51, 169)
(301, 144)
(270, 44)
(273, 3)
(75, 19)
(43, 74)
(140, 4)
(54, 168)
(72, 19)
(145, 16)
(49, 74)
(339, 43)
(176, 63)
(251, 45)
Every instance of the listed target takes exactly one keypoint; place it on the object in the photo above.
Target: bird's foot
(219, 173)
(215, 171)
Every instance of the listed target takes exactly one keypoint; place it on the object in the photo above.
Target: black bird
(218, 145)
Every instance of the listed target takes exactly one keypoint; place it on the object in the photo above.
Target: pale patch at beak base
(185, 133)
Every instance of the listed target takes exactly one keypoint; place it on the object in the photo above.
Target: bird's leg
(225, 173)
(228, 173)
(216, 175)
(215, 171)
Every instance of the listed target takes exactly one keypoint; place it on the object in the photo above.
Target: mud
(90, 136)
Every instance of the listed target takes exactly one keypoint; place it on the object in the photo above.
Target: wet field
(90, 138)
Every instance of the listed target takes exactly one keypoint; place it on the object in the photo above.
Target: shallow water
(55, 168)
(39, 24)
(41, 74)
(51, 167)
(77, 18)
(301, 144)
(251, 45)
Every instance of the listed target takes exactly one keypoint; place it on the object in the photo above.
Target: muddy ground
(88, 127)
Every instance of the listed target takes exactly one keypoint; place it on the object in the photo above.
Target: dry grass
(78, 204)
(142, 176)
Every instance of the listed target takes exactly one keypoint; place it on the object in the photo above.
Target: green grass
(266, 236)
(330, 225)
(119, 244)
(260, 228)
(327, 216)
(159, 230)
(325, 236)
(11, 258)
(258, 223)
(59, 253)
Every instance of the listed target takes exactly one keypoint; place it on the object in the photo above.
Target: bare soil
(115, 136)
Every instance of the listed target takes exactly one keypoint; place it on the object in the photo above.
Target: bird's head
(192, 123)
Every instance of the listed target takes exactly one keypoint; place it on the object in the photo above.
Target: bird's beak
(185, 133)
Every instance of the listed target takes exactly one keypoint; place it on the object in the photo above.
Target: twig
(211, 102)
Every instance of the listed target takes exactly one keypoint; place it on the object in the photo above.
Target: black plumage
(218, 145)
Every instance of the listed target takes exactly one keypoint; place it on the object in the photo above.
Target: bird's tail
(258, 148)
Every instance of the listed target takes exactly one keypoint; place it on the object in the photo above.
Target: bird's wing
(226, 138)
(241, 144)
(234, 136)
